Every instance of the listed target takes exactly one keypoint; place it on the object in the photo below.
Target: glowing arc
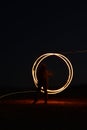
(67, 62)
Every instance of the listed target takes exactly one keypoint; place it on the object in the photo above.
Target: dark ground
(67, 110)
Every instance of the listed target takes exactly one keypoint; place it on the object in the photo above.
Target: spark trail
(20, 92)
(74, 52)
(13, 93)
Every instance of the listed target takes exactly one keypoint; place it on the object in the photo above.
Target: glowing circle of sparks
(67, 62)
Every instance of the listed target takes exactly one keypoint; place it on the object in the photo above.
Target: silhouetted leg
(36, 96)
(46, 97)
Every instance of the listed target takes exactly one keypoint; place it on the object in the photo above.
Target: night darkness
(32, 29)
(28, 30)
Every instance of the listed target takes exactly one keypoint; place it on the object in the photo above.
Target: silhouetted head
(43, 67)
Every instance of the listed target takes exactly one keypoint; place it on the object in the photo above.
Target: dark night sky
(31, 29)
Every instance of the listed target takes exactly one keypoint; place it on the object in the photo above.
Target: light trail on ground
(13, 93)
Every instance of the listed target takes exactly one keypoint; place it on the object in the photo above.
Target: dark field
(67, 110)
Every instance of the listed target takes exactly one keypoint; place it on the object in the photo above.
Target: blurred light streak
(40, 59)
(74, 52)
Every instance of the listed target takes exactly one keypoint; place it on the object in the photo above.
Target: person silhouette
(43, 76)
